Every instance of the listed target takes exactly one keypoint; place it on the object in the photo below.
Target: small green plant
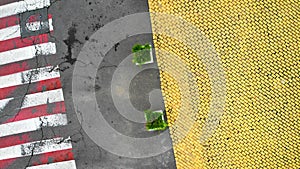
(141, 54)
(155, 121)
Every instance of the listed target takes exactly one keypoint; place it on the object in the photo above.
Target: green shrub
(154, 121)
(141, 53)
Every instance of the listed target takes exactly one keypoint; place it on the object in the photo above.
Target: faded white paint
(59, 165)
(32, 124)
(27, 53)
(35, 148)
(15, 31)
(4, 102)
(29, 76)
(10, 32)
(39, 98)
(35, 26)
(22, 6)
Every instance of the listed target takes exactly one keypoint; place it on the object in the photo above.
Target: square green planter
(155, 120)
(142, 54)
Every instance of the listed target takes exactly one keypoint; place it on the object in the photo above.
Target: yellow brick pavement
(231, 83)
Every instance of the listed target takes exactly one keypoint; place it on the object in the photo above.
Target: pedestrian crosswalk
(22, 6)
(36, 89)
(28, 76)
(15, 31)
(34, 148)
(32, 124)
(65, 165)
(28, 52)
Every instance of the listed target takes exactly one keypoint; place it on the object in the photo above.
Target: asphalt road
(74, 23)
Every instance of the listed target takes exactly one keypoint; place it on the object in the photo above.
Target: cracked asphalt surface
(74, 22)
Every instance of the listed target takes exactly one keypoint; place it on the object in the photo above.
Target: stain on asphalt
(96, 26)
(50, 108)
(70, 41)
(97, 87)
(116, 46)
(120, 2)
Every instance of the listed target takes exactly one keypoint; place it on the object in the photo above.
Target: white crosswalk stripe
(35, 148)
(4, 102)
(60, 165)
(29, 76)
(15, 31)
(32, 124)
(27, 53)
(36, 99)
(22, 6)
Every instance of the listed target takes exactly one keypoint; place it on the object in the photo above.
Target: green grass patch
(141, 54)
(155, 121)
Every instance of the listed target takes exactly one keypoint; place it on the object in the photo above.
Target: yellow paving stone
(258, 45)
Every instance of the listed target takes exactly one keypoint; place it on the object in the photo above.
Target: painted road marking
(9, 21)
(4, 102)
(13, 20)
(14, 68)
(15, 31)
(60, 165)
(36, 99)
(27, 53)
(22, 6)
(10, 32)
(40, 86)
(19, 42)
(35, 148)
(43, 105)
(29, 76)
(41, 110)
(33, 124)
